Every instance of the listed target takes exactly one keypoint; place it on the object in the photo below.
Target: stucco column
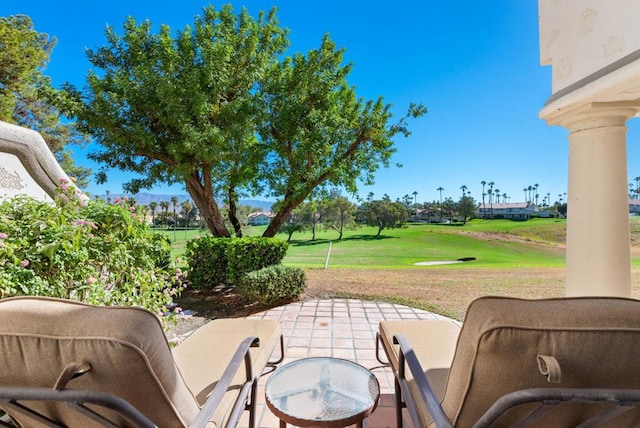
(598, 245)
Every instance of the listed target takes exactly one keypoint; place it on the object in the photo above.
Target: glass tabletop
(322, 389)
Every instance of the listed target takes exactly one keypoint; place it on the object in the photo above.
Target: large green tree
(340, 214)
(466, 208)
(312, 214)
(319, 133)
(293, 223)
(385, 214)
(218, 108)
(26, 95)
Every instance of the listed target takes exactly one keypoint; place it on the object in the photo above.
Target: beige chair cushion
(595, 340)
(128, 353)
(205, 354)
(434, 343)
(126, 348)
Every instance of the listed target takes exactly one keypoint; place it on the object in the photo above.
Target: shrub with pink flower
(89, 251)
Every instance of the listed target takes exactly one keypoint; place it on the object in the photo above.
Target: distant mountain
(147, 198)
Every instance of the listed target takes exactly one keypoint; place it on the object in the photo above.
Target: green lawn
(179, 238)
(494, 243)
(497, 243)
(524, 259)
(401, 248)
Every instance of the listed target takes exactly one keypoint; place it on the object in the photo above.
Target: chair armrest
(407, 358)
(548, 398)
(13, 397)
(241, 355)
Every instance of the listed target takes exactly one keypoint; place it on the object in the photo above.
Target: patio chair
(64, 363)
(563, 362)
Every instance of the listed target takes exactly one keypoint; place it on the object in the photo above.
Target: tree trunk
(280, 218)
(233, 218)
(202, 195)
(275, 223)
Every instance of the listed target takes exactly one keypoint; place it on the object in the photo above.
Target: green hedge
(214, 261)
(272, 283)
(246, 255)
(207, 260)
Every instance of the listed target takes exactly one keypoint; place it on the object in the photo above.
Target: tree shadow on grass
(299, 243)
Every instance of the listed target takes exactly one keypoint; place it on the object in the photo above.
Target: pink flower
(24, 263)
(3, 236)
(91, 280)
(81, 222)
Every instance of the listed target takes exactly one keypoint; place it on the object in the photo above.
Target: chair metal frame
(16, 399)
(622, 400)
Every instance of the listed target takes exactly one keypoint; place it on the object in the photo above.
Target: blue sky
(475, 65)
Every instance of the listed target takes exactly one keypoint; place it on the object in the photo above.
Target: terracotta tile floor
(343, 328)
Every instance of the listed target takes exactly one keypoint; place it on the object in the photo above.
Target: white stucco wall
(581, 37)
(27, 166)
(15, 180)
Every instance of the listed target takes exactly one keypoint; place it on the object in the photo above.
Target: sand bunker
(438, 262)
(444, 262)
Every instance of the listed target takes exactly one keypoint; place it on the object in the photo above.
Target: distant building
(634, 206)
(511, 211)
(260, 218)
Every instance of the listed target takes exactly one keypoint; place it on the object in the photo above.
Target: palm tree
(637, 179)
(186, 210)
(174, 202)
(535, 187)
(497, 193)
(490, 192)
(153, 206)
(504, 198)
(165, 207)
(464, 190)
(440, 189)
(483, 193)
(415, 203)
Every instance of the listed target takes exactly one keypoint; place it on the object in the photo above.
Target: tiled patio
(343, 328)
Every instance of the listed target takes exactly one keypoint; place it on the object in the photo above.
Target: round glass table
(322, 392)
